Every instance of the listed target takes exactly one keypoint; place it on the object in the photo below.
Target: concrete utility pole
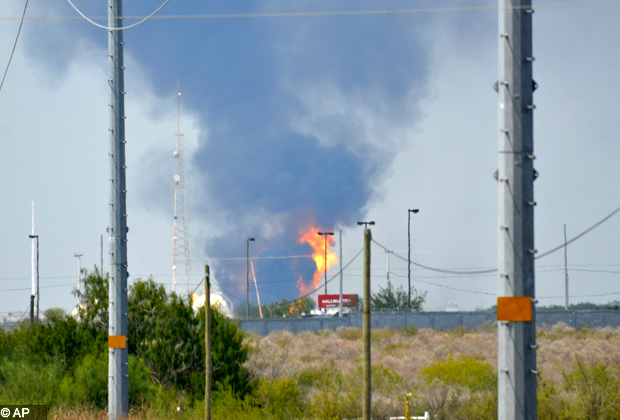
(340, 301)
(565, 269)
(208, 366)
(409, 211)
(79, 256)
(367, 405)
(101, 266)
(388, 252)
(516, 174)
(118, 372)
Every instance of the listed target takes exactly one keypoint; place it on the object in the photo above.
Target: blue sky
(290, 121)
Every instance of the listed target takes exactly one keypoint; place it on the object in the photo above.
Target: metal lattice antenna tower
(180, 256)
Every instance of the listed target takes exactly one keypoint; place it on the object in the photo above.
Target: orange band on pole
(515, 309)
(117, 341)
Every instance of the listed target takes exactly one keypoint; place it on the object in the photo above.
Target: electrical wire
(42, 287)
(593, 271)
(445, 287)
(579, 296)
(23, 315)
(333, 277)
(439, 270)
(123, 27)
(19, 31)
(544, 254)
(332, 13)
(597, 224)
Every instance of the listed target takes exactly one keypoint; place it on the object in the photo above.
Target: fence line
(434, 320)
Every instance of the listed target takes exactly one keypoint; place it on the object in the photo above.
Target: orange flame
(296, 308)
(317, 242)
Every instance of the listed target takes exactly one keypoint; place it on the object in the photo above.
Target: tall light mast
(180, 256)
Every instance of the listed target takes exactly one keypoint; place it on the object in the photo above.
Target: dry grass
(310, 358)
(286, 355)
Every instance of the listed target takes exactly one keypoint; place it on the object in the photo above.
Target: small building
(452, 306)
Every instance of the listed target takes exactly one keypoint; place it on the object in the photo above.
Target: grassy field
(451, 374)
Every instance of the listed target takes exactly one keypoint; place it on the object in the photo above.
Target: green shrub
(88, 385)
(597, 387)
(280, 397)
(141, 387)
(350, 333)
(379, 335)
(407, 330)
(27, 382)
(551, 405)
(384, 380)
(464, 371)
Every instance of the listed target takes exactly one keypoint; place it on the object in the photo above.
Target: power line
(578, 296)
(544, 254)
(42, 287)
(334, 276)
(323, 14)
(118, 28)
(445, 287)
(439, 270)
(19, 31)
(597, 224)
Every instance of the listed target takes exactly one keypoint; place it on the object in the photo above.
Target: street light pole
(365, 224)
(247, 277)
(325, 234)
(409, 252)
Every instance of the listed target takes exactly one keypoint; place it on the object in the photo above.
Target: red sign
(333, 301)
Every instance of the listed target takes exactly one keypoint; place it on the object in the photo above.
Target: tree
(287, 308)
(94, 300)
(390, 299)
(163, 330)
(168, 335)
(228, 355)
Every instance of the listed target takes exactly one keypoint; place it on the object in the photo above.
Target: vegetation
(453, 375)
(282, 309)
(390, 299)
(386, 299)
(64, 361)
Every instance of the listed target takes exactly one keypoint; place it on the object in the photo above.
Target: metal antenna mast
(118, 368)
(180, 255)
(517, 340)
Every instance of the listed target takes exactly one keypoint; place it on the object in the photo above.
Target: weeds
(452, 375)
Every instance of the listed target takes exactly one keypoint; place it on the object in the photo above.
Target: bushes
(464, 371)
(25, 381)
(65, 361)
(597, 388)
(280, 398)
(88, 385)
